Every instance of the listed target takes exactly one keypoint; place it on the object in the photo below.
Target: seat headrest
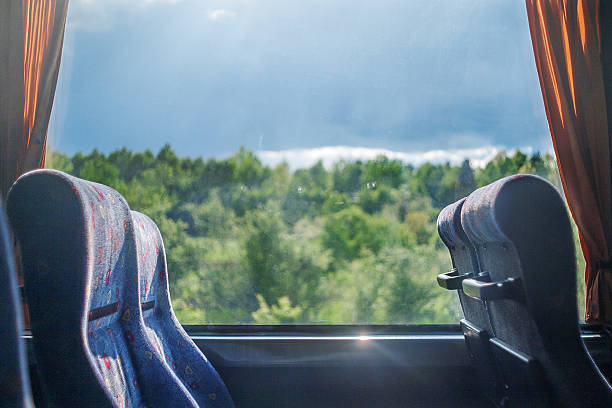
(93, 231)
(484, 209)
(449, 225)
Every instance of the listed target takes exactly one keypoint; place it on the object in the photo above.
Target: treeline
(248, 243)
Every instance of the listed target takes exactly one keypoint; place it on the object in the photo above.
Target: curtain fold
(31, 39)
(568, 51)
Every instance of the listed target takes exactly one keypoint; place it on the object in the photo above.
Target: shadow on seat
(521, 231)
(81, 283)
(164, 330)
(14, 380)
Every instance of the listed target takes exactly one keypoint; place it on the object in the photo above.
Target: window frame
(353, 365)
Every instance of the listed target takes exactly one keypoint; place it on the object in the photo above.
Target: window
(295, 155)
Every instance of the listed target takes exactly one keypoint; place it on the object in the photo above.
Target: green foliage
(373, 198)
(346, 176)
(417, 229)
(247, 243)
(98, 169)
(465, 181)
(382, 171)
(503, 165)
(281, 313)
(334, 202)
(248, 169)
(265, 253)
(351, 231)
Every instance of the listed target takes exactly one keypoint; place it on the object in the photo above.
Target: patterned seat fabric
(81, 279)
(14, 380)
(164, 330)
(521, 231)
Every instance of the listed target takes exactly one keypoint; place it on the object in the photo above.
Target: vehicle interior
(305, 204)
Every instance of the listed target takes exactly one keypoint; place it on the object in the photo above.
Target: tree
(346, 176)
(166, 155)
(351, 230)
(247, 168)
(97, 168)
(466, 183)
(281, 313)
(382, 171)
(372, 199)
(246, 243)
(264, 254)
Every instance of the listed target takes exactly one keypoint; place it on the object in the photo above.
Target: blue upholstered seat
(14, 380)
(180, 353)
(81, 278)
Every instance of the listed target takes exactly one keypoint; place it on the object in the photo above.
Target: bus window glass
(295, 155)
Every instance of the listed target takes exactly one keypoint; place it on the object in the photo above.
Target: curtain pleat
(567, 47)
(31, 39)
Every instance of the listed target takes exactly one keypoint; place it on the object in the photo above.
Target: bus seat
(14, 381)
(476, 326)
(521, 231)
(163, 328)
(81, 283)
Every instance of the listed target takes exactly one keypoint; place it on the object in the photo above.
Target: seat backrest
(14, 379)
(180, 353)
(81, 283)
(476, 326)
(464, 261)
(520, 228)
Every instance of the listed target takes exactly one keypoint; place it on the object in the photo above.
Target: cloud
(301, 158)
(220, 14)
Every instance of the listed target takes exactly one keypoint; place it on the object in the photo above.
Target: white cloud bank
(301, 158)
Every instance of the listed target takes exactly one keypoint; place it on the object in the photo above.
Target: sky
(300, 80)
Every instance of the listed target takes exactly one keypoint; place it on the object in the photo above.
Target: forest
(251, 244)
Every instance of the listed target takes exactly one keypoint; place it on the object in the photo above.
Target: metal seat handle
(451, 280)
(510, 288)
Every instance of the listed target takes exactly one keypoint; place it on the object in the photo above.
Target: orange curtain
(31, 38)
(567, 44)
